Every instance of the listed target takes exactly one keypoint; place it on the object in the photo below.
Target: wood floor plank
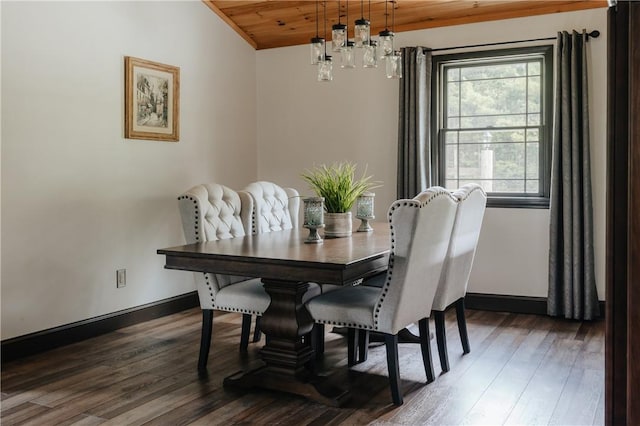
(22, 412)
(539, 399)
(163, 404)
(579, 400)
(598, 418)
(477, 380)
(499, 398)
(583, 391)
(118, 404)
(236, 411)
(522, 369)
(279, 411)
(73, 407)
(482, 332)
(51, 386)
(68, 393)
(83, 420)
(469, 375)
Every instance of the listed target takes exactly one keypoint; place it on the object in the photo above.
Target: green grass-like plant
(338, 185)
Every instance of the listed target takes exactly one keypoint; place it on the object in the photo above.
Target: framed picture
(151, 100)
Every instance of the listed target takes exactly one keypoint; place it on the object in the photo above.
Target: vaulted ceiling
(266, 24)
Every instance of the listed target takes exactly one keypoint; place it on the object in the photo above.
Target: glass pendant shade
(370, 55)
(362, 32)
(325, 69)
(338, 36)
(348, 56)
(372, 50)
(394, 65)
(386, 43)
(317, 50)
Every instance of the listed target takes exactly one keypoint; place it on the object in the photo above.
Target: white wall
(302, 123)
(78, 200)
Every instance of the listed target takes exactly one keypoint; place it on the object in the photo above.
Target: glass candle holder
(313, 218)
(364, 211)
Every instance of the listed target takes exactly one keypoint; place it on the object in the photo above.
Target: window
(492, 124)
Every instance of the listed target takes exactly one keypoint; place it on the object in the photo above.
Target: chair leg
(363, 345)
(441, 338)
(246, 330)
(425, 346)
(391, 343)
(257, 333)
(317, 340)
(462, 325)
(352, 338)
(205, 338)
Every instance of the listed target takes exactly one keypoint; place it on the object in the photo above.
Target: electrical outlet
(121, 278)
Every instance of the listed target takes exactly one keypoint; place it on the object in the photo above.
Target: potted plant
(340, 188)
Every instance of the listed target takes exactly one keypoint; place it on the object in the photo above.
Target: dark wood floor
(522, 369)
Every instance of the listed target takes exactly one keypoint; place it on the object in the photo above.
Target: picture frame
(152, 98)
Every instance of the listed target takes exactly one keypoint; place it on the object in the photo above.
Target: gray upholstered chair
(213, 212)
(472, 201)
(420, 234)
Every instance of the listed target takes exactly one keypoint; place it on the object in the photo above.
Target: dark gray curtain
(414, 131)
(572, 284)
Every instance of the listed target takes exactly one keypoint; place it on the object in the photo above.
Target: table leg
(286, 355)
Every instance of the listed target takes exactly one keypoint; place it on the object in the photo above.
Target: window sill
(518, 202)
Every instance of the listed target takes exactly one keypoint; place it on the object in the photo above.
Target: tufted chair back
(212, 212)
(274, 208)
(420, 233)
(464, 240)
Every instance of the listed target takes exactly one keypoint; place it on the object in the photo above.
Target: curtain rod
(592, 34)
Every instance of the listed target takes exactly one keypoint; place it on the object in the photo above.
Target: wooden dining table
(286, 265)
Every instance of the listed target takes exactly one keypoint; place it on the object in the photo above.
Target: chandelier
(372, 50)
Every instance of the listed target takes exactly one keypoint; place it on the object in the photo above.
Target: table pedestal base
(288, 357)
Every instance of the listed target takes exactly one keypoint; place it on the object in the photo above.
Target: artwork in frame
(152, 95)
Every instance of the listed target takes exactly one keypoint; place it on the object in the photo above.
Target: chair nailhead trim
(244, 311)
(346, 324)
(254, 228)
(206, 280)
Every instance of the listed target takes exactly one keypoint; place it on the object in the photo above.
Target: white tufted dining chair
(420, 232)
(454, 279)
(274, 208)
(212, 212)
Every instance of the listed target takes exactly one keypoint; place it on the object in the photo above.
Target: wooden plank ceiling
(267, 24)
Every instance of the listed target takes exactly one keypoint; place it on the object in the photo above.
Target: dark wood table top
(285, 255)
